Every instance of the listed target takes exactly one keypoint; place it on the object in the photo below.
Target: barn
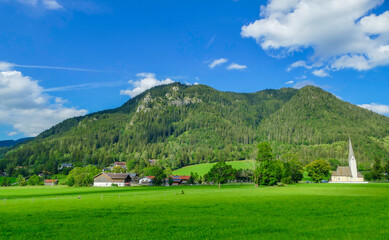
(105, 179)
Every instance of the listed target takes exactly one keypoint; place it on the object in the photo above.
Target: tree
(170, 181)
(20, 180)
(82, 176)
(131, 164)
(270, 172)
(293, 169)
(158, 174)
(221, 173)
(318, 170)
(5, 182)
(378, 170)
(118, 169)
(35, 180)
(264, 154)
(387, 170)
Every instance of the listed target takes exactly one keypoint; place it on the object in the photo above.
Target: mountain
(181, 125)
(11, 143)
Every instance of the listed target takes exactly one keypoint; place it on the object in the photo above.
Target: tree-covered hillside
(181, 125)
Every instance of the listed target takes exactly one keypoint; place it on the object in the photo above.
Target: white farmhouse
(105, 179)
(146, 180)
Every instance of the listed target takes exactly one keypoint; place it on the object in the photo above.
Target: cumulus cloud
(235, 66)
(25, 106)
(51, 4)
(289, 82)
(320, 73)
(342, 34)
(46, 4)
(146, 81)
(217, 62)
(378, 108)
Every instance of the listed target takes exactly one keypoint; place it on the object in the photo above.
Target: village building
(348, 174)
(65, 165)
(120, 164)
(49, 182)
(152, 162)
(146, 180)
(178, 180)
(105, 179)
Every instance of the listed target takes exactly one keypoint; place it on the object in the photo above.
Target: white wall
(107, 184)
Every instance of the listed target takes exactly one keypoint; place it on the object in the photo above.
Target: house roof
(50, 180)
(344, 172)
(114, 176)
(151, 177)
(120, 163)
(181, 177)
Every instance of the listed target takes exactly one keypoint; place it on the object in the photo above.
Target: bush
(35, 180)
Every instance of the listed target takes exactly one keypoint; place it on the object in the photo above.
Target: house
(177, 180)
(49, 182)
(105, 179)
(348, 174)
(120, 164)
(65, 165)
(146, 180)
(152, 162)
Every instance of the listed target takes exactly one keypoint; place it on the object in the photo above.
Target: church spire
(350, 150)
(351, 160)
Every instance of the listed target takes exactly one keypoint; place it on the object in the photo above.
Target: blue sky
(65, 58)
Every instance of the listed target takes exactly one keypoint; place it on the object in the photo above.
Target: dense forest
(181, 125)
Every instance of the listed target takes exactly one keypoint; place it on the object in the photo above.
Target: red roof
(120, 163)
(151, 177)
(50, 181)
(181, 177)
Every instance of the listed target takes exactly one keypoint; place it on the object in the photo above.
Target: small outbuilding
(49, 182)
(105, 179)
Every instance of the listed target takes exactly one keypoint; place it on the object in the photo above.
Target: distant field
(302, 211)
(203, 168)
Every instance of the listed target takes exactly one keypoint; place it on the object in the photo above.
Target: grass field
(302, 211)
(203, 168)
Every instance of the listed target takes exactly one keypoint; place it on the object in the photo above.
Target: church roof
(344, 172)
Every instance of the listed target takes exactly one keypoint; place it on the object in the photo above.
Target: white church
(348, 174)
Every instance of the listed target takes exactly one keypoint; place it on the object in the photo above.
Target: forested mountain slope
(182, 125)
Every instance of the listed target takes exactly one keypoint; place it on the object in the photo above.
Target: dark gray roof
(115, 175)
(344, 172)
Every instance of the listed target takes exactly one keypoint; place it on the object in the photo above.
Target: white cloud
(12, 133)
(6, 66)
(51, 4)
(342, 34)
(289, 82)
(46, 4)
(147, 81)
(378, 108)
(299, 64)
(320, 73)
(235, 66)
(217, 62)
(25, 106)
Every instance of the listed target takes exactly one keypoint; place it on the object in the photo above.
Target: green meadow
(203, 168)
(301, 211)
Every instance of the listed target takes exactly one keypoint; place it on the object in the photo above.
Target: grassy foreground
(303, 211)
(203, 168)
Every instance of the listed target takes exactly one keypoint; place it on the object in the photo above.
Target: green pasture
(301, 211)
(203, 168)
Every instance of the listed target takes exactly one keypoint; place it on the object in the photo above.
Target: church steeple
(352, 161)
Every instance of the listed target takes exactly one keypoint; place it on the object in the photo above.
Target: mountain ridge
(182, 125)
